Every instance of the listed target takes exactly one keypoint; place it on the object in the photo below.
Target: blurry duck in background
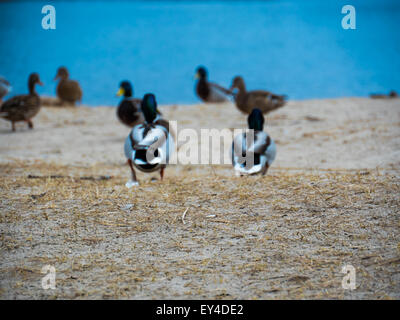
(392, 94)
(262, 150)
(246, 101)
(208, 91)
(128, 111)
(68, 90)
(23, 107)
(150, 144)
(4, 88)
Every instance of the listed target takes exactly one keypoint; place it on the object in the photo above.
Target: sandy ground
(330, 199)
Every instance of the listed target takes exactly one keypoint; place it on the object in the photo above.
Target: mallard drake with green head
(150, 144)
(128, 111)
(4, 88)
(208, 91)
(252, 154)
(68, 90)
(23, 107)
(246, 101)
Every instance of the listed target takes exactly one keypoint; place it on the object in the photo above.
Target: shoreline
(53, 101)
(348, 133)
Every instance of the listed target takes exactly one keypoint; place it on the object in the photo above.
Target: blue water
(293, 47)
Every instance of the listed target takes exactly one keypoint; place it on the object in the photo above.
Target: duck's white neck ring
(155, 119)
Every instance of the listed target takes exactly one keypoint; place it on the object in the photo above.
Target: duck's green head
(125, 89)
(256, 120)
(201, 73)
(149, 107)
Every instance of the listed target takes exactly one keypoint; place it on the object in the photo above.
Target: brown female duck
(68, 90)
(208, 91)
(128, 111)
(23, 107)
(246, 101)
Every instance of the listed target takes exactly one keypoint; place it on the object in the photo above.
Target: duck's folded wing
(165, 124)
(261, 143)
(220, 88)
(258, 97)
(14, 104)
(19, 107)
(217, 93)
(71, 89)
(75, 84)
(244, 143)
(238, 146)
(270, 153)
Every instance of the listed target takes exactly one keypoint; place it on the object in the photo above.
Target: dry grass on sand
(285, 235)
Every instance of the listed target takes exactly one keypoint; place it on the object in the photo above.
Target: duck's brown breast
(128, 112)
(203, 90)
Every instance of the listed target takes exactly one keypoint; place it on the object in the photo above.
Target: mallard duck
(246, 101)
(23, 107)
(392, 94)
(67, 90)
(253, 154)
(4, 88)
(128, 111)
(208, 91)
(150, 144)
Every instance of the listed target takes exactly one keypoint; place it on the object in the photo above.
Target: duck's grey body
(262, 149)
(211, 92)
(217, 94)
(144, 137)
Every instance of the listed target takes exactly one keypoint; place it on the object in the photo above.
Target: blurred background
(298, 48)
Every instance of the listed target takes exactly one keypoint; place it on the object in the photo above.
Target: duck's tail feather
(283, 97)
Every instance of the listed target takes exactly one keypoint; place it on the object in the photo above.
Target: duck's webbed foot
(162, 173)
